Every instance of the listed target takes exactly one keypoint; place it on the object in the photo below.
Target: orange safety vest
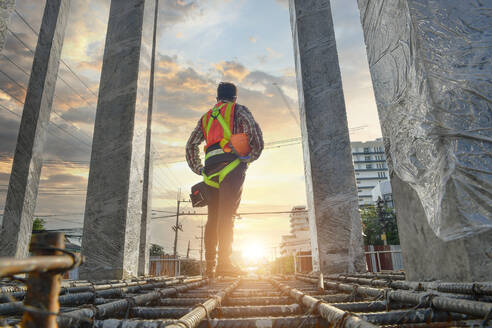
(218, 124)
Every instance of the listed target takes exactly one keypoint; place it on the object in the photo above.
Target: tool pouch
(199, 194)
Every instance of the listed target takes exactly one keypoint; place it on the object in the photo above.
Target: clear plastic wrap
(431, 67)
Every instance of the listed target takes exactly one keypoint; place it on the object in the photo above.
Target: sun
(253, 251)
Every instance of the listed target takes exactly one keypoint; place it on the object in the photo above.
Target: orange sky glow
(195, 52)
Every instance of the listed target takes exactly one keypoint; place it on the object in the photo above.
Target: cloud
(252, 39)
(232, 70)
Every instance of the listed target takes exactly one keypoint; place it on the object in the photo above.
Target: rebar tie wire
(341, 322)
(130, 304)
(487, 318)
(353, 296)
(425, 300)
(310, 312)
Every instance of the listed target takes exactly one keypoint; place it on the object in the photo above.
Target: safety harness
(225, 123)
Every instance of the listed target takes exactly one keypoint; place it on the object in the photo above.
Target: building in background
(298, 240)
(370, 168)
(383, 190)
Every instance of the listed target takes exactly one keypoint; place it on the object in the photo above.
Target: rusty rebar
(10, 266)
(43, 285)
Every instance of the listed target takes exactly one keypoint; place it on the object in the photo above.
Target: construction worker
(224, 171)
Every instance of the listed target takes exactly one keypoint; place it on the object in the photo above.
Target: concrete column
(431, 64)
(113, 211)
(26, 167)
(335, 226)
(143, 260)
(6, 8)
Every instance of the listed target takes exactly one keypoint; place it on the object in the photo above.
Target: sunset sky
(201, 42)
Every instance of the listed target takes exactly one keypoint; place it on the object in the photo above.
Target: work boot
(229, 270)
(209, 271)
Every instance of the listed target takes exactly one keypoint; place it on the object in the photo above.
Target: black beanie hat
(227, 91)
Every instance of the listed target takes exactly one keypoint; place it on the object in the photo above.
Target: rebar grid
(264, 301)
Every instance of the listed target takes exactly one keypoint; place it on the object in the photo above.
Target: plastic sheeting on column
(431, 68)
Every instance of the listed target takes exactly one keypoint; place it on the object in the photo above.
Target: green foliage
(190, 267)
(156, 250)
(375, 224)
(38, 224)
(283, 265)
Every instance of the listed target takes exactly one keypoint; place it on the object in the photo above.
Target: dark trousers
(222, 205)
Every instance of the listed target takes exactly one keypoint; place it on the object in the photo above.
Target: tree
(38, 225)
(190, 267)
(156, 250)
(377, 221)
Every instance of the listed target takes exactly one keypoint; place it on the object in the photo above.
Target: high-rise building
(370, 168)
(298, 240)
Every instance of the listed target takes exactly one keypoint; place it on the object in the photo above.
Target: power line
(12, 96)
(59, 127)
(16, 65)
(63, 62)
(62, 79)
(11, 79)
(237, 214)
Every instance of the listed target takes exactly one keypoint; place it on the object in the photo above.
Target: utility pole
(201, 247)
(176, 227)
(188, 250)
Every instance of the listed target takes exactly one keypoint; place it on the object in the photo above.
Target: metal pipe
(193, 318)
(74, 318)
(330, 313)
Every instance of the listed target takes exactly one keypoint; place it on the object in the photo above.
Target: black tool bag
(199, 193)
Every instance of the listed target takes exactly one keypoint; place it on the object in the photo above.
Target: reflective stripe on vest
(214, 152)
(221, 174)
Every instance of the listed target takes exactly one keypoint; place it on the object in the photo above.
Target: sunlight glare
(253, 251)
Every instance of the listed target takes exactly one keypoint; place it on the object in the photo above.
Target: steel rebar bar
(443, 303)
(194, 317)
(74, 318)
(330, 313)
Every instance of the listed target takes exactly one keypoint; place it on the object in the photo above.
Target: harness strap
(214, 152)
(221, 174)
(224, 123)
